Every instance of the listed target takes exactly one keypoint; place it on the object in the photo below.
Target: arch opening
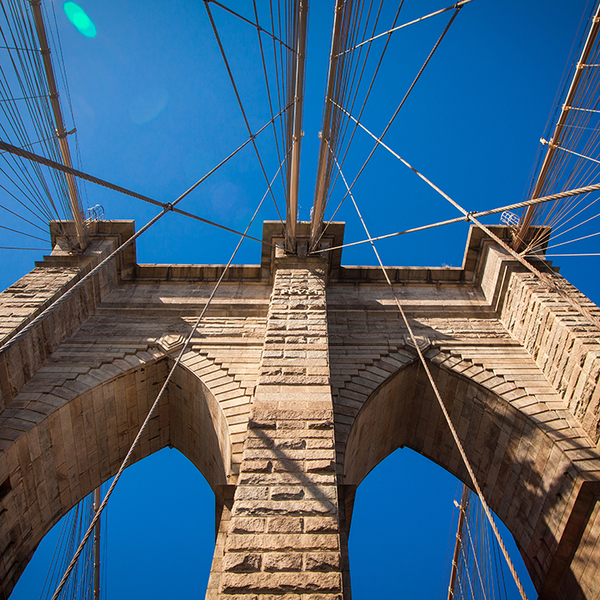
(409, 554)
(526, 478)
(159, 538)
(63, 458)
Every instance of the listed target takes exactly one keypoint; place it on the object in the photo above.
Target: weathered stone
(322, 561)
(281, 542)
(285, 525)
(247, 525)
(241, 563)
(282, 561)
(280, 582)
(300, 380)
(287, 493)
(321, 524)
(292, 508)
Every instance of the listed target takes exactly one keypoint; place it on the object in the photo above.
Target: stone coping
(273, 238)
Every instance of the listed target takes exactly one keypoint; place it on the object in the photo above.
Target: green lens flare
(80, 20)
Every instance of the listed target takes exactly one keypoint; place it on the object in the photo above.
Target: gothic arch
(55, 462)
(519, 457)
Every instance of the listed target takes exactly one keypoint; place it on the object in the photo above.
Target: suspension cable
(559, 147)
(35, 237)
(394, 29)
(239, 100)
(440, 401)
(543, 277)
(97, 268)
(483, 213)
(256, 25)
(402, 102)
(152, 410)
(60, 167)
(80, 283)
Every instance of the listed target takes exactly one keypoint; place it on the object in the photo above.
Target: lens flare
(80, 20)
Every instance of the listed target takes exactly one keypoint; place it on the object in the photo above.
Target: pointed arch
(56, 461)
(523, 457)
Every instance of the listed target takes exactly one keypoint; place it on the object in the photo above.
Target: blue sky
(154, 111)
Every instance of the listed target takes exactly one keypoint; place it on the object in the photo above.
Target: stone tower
(300, 379)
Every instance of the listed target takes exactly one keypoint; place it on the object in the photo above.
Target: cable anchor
(548, 143)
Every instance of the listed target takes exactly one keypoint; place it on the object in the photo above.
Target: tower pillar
(284, 530)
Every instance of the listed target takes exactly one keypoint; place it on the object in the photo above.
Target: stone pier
(284, 532)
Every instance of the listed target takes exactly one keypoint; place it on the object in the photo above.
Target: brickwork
(300, 379)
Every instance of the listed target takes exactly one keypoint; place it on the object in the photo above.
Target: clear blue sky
(154, 111)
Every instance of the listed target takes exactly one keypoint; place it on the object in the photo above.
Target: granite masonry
(300, 379)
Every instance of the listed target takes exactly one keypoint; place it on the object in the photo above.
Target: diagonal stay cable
(19, 248)
(35, 237)
(20, 217)
(573, 227)
(402, 102)
(12, 341)
(258, 27)
(585, 237)
(549, 255)
(543, 277)
(169, 207)
(558, 147)
(237, 95)
(153, 408)
(165, 205)
(413, 22)
(483, 213)
(439, 399)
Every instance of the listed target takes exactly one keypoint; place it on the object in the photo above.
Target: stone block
(322, 561)
(250, 492)
(282, 561)
(240, 562)
(287, 493)
(321, 525)
(282, 542)
(257, 508)
(280, 582)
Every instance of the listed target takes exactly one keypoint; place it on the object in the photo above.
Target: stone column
(283, 534)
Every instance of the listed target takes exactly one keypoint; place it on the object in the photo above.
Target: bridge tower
(299, 380)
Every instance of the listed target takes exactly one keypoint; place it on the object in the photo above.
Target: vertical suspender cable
(97, 546)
